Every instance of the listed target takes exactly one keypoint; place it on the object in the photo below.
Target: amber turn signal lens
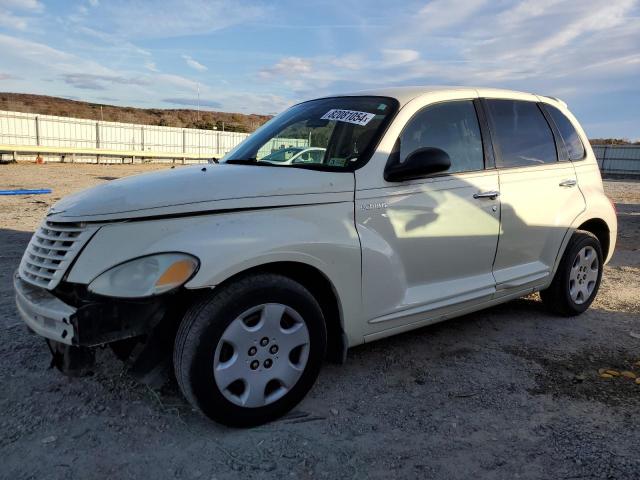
(177, 273)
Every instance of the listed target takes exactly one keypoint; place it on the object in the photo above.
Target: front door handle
(568, 183)
(490, 195)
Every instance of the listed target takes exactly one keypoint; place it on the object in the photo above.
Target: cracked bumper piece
(96, 321)
(44, 313)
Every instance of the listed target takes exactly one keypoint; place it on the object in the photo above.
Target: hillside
(27, 103)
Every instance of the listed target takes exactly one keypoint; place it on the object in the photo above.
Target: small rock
(638, 381)
(628, 374)
(49, 439)
(613, 373)
(333, 411)
(634, 335)
(605, 375)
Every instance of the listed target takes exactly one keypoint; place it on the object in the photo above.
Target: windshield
(334, 133)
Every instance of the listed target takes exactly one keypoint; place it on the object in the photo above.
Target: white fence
(27, 135)
(48, 133)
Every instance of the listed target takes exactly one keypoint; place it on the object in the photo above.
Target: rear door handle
(568, 183)
(490, 195)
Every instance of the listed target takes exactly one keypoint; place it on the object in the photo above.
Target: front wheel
(577, 279)
(250, 352)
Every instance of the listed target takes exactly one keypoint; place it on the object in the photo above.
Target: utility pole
(199, 128)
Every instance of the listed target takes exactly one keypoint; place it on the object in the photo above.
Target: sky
(254, 56)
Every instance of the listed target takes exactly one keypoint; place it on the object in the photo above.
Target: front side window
(521, 133)
(449, 126)
(336, 133)
(572, 142)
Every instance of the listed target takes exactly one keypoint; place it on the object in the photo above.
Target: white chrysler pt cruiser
(426, 204)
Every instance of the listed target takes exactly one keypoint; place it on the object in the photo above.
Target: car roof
(406, 94)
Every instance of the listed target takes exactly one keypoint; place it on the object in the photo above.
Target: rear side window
(522, 134)
(450, 126)
(572, 142)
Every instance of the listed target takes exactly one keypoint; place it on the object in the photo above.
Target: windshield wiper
(249, 161)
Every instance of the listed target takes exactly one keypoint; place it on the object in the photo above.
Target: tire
(222, 337)
(576, 282)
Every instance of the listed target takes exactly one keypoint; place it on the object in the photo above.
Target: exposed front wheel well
(322, 289)
(600, 229)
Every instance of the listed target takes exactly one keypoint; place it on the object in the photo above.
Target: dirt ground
(510, 392)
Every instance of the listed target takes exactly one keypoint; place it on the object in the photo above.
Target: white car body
(398, 255)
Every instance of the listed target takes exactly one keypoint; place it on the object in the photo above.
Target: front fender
(322, 236)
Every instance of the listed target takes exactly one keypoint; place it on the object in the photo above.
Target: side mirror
(421, 162)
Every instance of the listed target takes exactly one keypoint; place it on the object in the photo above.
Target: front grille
(51, 250)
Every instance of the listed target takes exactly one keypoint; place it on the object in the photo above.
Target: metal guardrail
(618, 159)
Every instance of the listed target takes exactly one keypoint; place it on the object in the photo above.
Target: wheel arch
(600, 229)
(323, 290)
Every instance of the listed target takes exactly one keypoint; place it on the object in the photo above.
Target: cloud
(8, 20)
(25, 5)
(8, 17)
(398, 56)
(89, 81)
(8, 76)
(94, 3)
(178, 81)
(176, 18)
(194, 63)
(151, 66)
(193, 102)
(288, 66)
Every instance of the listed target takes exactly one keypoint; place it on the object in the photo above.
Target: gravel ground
(510, 392)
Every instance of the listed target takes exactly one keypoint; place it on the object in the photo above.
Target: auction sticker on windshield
(349, 116)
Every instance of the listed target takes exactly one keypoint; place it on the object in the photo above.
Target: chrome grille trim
(51, 250)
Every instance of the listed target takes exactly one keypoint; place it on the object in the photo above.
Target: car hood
(200, 188)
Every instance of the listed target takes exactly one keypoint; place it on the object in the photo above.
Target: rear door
(538, 192)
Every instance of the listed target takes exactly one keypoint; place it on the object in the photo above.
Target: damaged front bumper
(93, 321)
(44, 313)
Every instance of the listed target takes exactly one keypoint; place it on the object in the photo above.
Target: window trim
(485, 132)
(394, 155)
(496, 143)
(544, 108)
(562, 155)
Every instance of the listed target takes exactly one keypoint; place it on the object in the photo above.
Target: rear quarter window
(522, 134)
(570, 137)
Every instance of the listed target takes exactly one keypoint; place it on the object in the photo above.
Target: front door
(428, 245)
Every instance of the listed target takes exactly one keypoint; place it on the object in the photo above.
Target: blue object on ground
(25, 192)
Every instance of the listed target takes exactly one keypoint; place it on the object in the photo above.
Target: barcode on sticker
(349, 116)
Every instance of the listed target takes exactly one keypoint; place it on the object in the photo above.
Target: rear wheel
(577, 280)
(250, 352)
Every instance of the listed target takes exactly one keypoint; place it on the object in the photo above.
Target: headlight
(145, 276)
